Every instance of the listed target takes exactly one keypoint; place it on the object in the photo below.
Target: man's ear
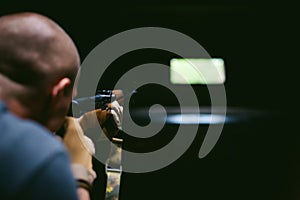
(61, 87)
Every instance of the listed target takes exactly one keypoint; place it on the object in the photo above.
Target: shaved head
(35, 56)
(33, 49)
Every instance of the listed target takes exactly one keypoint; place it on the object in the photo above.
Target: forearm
(83, 194)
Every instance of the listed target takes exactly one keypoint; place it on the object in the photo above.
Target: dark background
(254, 159)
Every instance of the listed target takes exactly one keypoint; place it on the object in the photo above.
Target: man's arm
(81, 148)
(83, 194)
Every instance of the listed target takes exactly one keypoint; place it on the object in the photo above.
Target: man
(38, 67)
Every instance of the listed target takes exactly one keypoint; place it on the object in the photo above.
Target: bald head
(34, 50)
(35, 55)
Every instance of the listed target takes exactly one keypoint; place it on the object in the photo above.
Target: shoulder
(19, 133)
(25, 148)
